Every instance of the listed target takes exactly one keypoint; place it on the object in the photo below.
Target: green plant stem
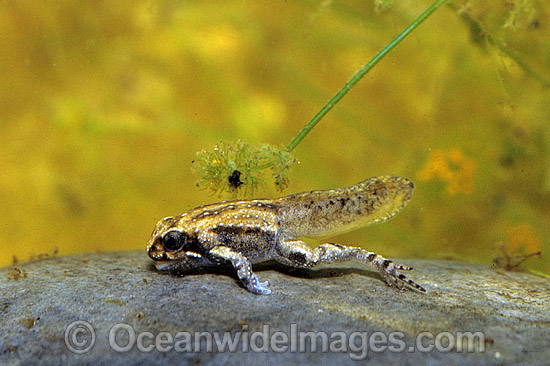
(359, 75)
(478, 32)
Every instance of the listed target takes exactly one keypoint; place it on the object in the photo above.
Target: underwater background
(104, 106)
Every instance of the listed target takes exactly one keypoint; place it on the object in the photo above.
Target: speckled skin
(241, 232)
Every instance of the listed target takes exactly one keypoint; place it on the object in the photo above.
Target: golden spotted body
(241, 232)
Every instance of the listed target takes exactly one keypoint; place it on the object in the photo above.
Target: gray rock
(39, 300)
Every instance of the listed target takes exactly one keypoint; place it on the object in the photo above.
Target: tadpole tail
(372, 201)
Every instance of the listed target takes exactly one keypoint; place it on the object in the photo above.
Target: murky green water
(104, 106)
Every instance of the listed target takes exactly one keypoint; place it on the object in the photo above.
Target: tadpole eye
(173, 240)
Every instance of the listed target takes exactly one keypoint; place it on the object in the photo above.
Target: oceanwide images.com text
(80, 338)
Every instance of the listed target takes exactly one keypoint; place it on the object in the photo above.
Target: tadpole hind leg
(297, 253)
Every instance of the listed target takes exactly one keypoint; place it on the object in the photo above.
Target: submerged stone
(115, 308)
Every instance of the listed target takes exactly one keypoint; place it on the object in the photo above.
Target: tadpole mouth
(155, 251)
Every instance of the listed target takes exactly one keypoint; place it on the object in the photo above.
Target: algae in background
(104, 105)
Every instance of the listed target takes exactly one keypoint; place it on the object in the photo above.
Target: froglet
(245, 232)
